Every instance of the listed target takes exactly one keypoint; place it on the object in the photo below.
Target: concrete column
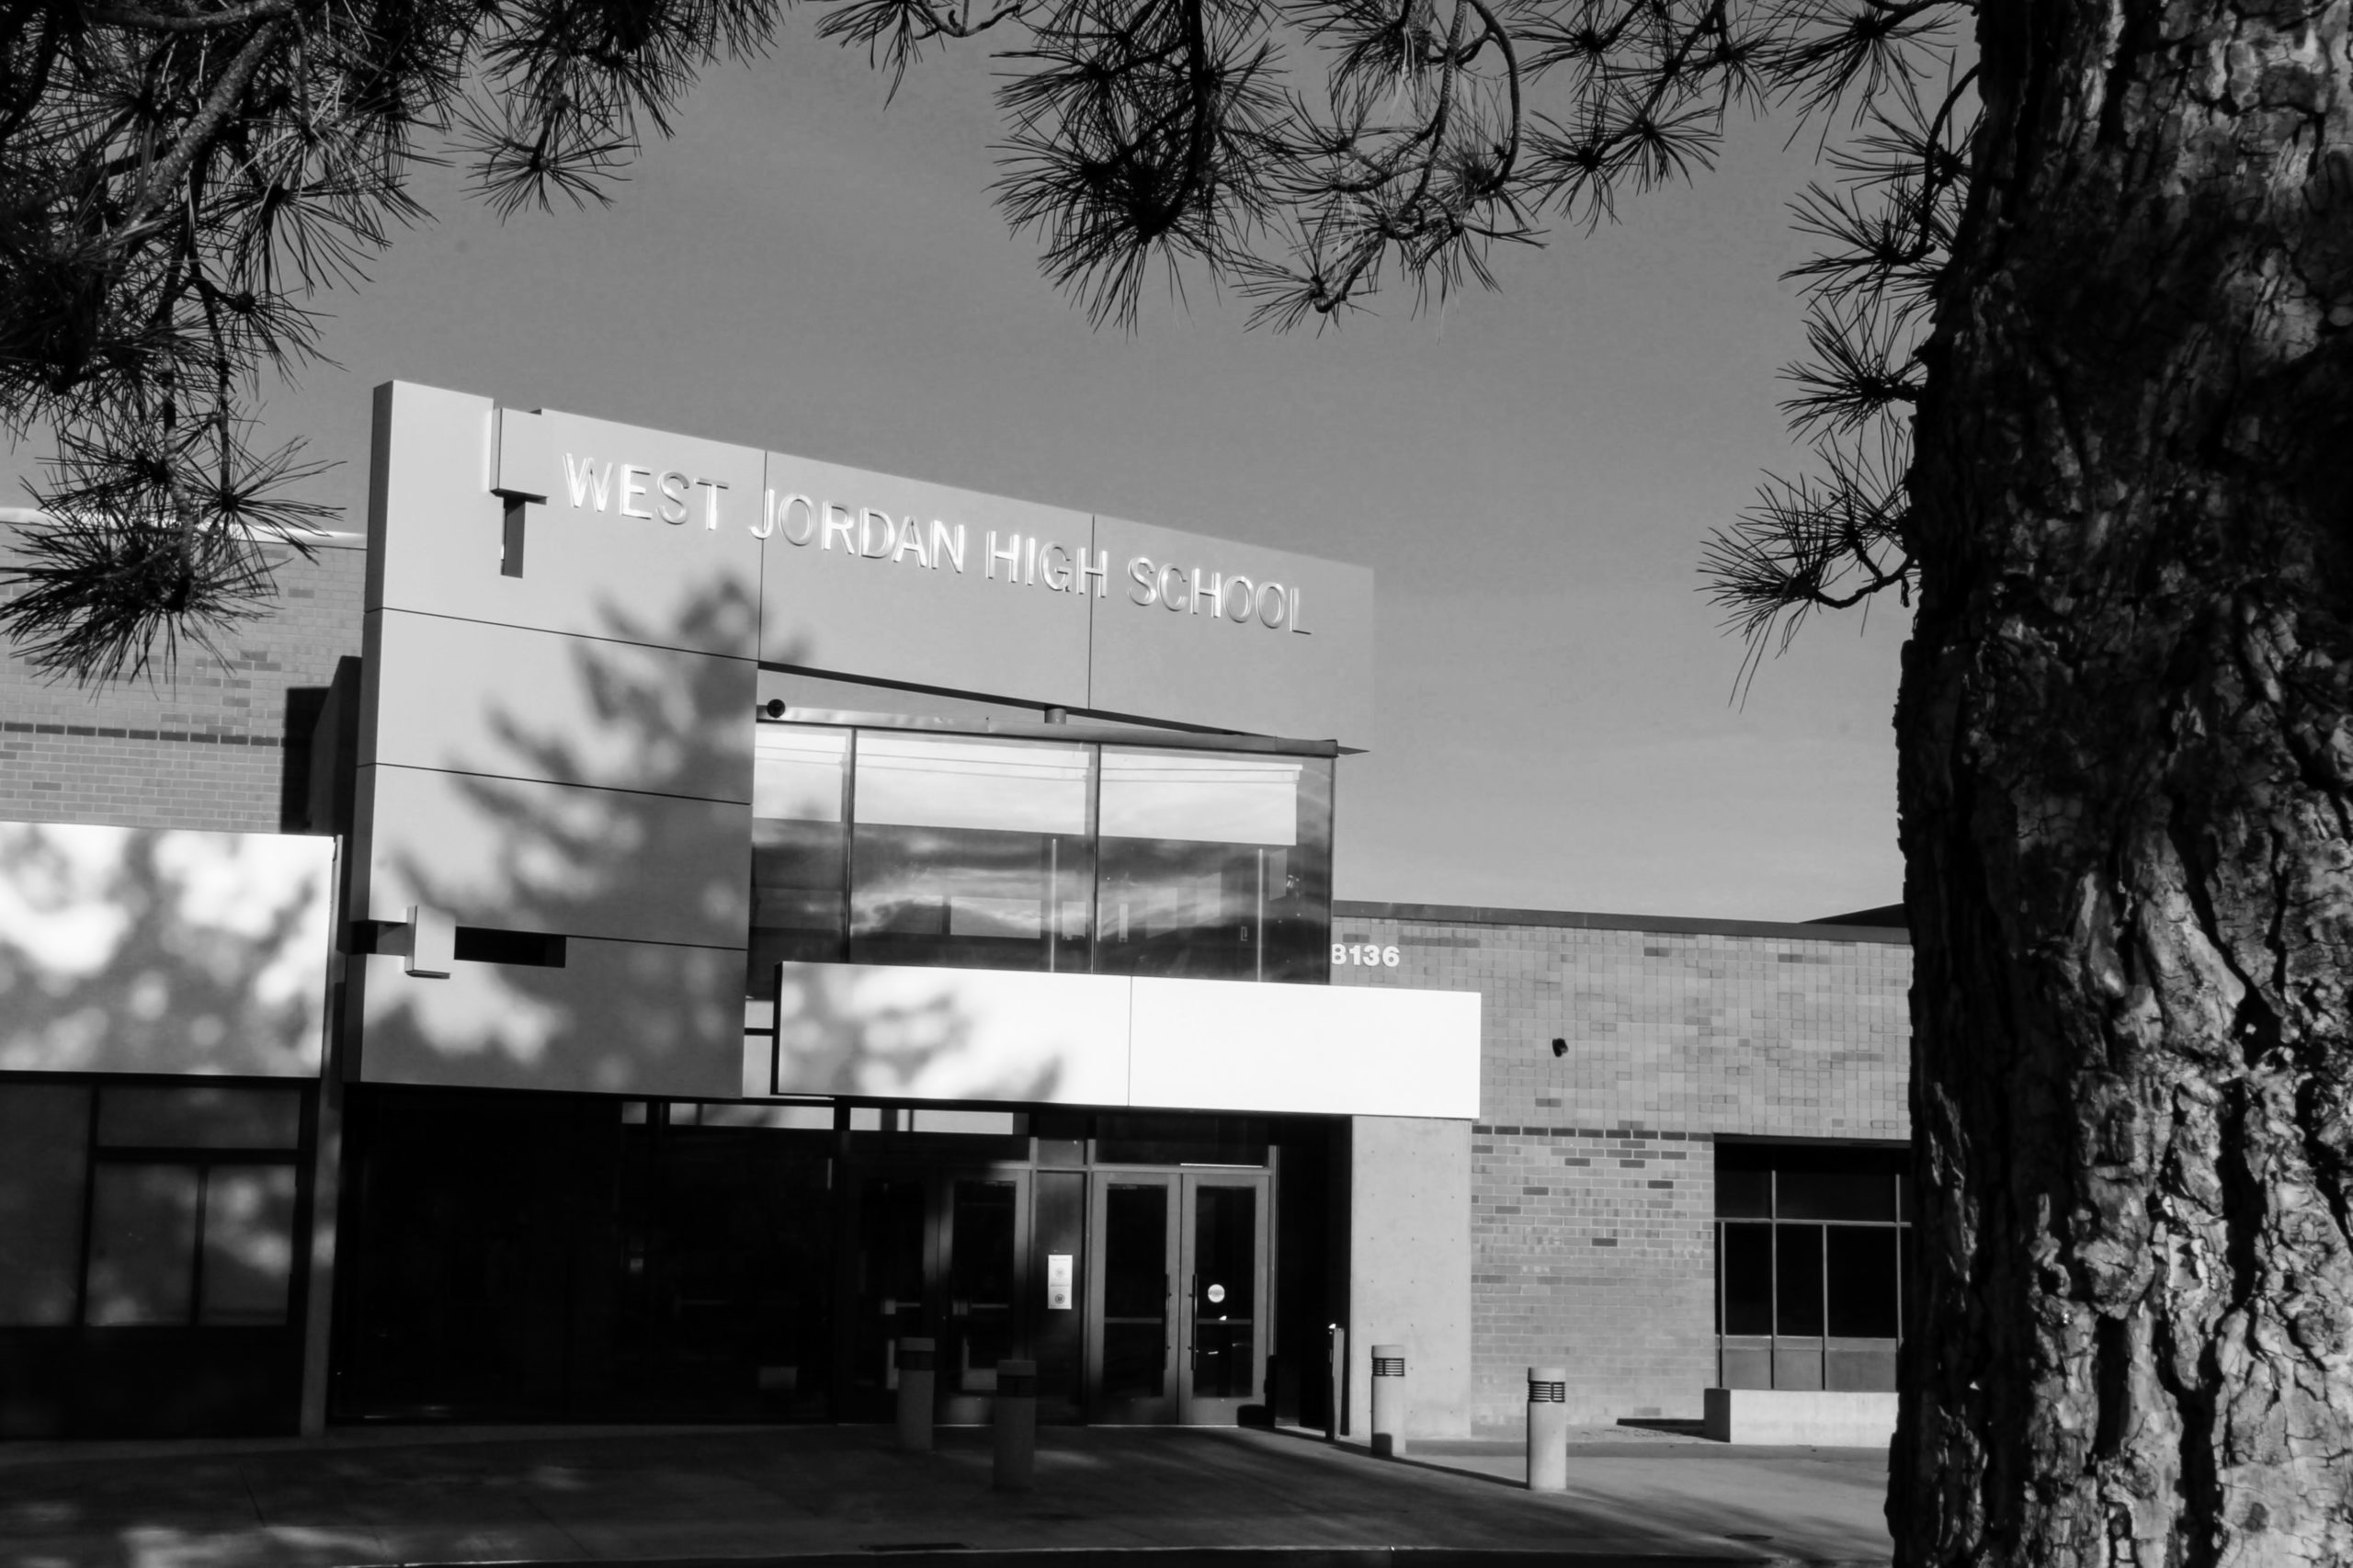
(1409, 1264)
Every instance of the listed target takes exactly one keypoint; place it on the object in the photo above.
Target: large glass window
(191, 1195)
(800, 793)
(1811, 1244)
(913, 846)
(969, 852)
(1215, 864)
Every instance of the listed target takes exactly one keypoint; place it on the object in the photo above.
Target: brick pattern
(1593, 1172)
(202, 749)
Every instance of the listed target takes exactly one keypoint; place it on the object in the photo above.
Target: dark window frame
(1883, 1161)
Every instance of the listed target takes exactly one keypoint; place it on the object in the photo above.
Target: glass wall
(919, 847)
(1812, 1247)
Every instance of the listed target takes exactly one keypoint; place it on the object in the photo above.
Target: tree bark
(2126, 738)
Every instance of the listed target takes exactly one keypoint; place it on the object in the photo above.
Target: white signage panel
(132, 949)
(1318, 1050)
(1094, 1039)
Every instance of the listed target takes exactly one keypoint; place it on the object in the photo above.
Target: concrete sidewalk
(575, 1495)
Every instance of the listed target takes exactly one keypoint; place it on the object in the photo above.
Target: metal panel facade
(1231, 636)
(565, 621)
(892, 579)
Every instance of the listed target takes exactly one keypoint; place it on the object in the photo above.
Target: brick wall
(1593, 1172)
(202, 748)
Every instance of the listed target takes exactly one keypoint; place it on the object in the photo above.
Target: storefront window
(898, 846)
(1214, 865)
(1811, 1248)
(800, 782)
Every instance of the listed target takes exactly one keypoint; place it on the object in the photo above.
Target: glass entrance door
(937, 1254)
(1225, 1267)
(982, 1249)
(1131, 1329)
(1177, 1324)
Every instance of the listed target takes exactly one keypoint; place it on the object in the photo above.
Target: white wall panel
(523, 856)
(951, 1034)
(163, 950)
(961, 1034)
(1222, 1045)
(620, 1018)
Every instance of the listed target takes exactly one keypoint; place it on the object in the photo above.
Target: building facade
(656, 924)
(1637, 1075)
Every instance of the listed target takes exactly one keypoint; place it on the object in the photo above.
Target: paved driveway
(571, 1494)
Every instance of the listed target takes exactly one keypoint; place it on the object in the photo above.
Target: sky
(1531, 473)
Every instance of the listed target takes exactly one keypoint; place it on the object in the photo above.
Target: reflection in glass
(248, 1244)
(142, 1244)
(1135, 1291)
(917, 848)
(1214, 865)
(799, 780)
(969, 852)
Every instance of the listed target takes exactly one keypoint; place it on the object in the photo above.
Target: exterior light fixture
(776, 707)
(1559, 1046)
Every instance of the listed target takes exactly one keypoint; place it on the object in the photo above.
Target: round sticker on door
(1217, 1294)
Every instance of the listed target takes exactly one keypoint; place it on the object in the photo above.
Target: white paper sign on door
(1058, 1287)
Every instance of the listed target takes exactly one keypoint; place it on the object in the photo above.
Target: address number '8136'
(1369, 953)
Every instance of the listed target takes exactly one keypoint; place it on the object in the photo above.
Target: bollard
(914, 1394)
(1015, 1420)
(1548, 1430)
(1388, 1400)
(1335, 1379)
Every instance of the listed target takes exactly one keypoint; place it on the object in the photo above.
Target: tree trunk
(2127, 779)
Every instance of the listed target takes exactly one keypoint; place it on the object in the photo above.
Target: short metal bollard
(1548, 1430)
(914, 1394)
(1388, 1400)
(1016, 1419)
(1336, 1379)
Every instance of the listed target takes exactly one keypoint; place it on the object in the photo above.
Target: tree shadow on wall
(149, 951)
(661, 846)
